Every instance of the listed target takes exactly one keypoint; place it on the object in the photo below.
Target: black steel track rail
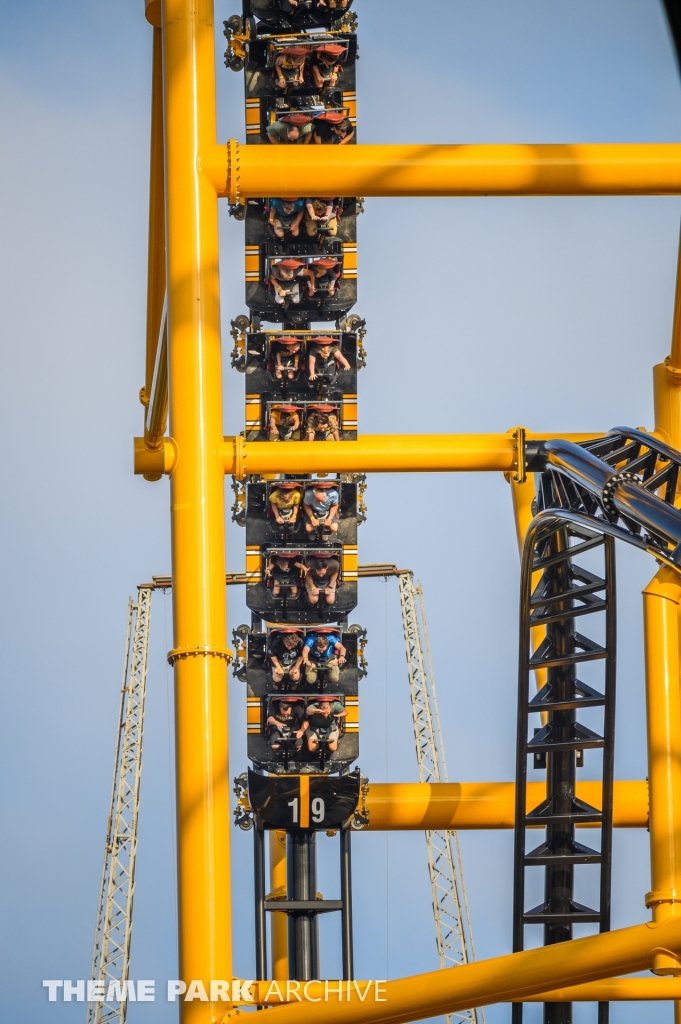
(673, 12)
(557, 596)
(303, 904)
(621, 486)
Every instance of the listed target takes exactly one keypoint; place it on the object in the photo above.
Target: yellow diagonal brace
(502, 979)
(606, 991)
(614, 990)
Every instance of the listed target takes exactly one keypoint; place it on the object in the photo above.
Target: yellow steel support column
(523, 494)
(667, 392)
(661, 616)
(523, 491)
(154, 394)
(156, 261)
(667, 378)
(278, 922)
(197, 505)
(675, 353)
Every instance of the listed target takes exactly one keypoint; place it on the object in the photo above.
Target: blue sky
(545, 312)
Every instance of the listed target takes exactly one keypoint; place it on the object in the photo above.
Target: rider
(291, 6)
(285, 357)
(322, 716)
(290, 130)
(326, 65)
(284, 570)
(285, 276)
(289, 67)
(333, 128)
(321, 576)
(323, 650)
(285, 652)
(320, 216)
(283, 423)
(287, 720)
(322, 274)
(322, 419)
(286, 215)
(285, 503)
(324, 358)
(320, 505)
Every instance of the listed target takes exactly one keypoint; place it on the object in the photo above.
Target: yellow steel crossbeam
(575, 169)
(485, 805)
(376, 453)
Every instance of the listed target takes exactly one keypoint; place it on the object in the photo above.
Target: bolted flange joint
(610, 488)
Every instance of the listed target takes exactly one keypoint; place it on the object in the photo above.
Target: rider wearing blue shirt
(320, 505)
(323, 651)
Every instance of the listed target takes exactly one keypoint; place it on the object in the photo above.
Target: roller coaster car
(284, 718)
(326, 725)
(314, 238)
(332, 419)
(302, 287)
(326, 589)
(331, 123)
(281, 362)
(299, 72)
(322, 803)
(262, 527)
(259, 665)
(294, 15)
(341, 731)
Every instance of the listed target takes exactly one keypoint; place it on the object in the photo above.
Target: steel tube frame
(516, 976)
(259, 895)
(195, 171)
(200, 653)
(278, 922)
(667, 378)
(661, 600)
(380, 453)
(156, 259)
(154, 394)
(486, 805)
(246, 172)
(614, 990)
(346, 897)
(303, 932)
(606, 990)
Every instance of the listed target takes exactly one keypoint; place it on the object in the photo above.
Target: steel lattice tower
(113, 927)
(453, 931)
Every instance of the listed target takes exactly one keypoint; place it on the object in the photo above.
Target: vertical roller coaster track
(300, 347)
